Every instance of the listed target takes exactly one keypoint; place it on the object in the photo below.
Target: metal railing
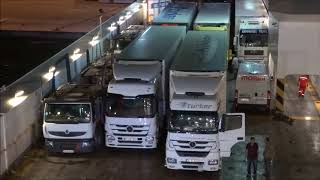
(63, 66)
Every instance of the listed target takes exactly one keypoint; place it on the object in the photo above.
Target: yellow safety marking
(279, 106)
(305, 118)
(280, 92)
(210, 28)
(317, 105)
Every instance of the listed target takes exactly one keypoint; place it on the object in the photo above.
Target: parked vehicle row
(169, 78)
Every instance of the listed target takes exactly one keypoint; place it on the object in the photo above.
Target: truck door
(232, 131)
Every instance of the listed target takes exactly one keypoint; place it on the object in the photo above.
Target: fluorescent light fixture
(94, 41)
(121, 20)
(76, 55)
(112, 27)
(17, 99)
(49, 75)
(128, 15)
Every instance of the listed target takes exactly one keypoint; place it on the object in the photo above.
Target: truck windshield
(67, 113)
(194, 122)
(140, 106)
(254, 39)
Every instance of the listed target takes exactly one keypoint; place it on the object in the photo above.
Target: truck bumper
(135, 142)
(69, 145)
(192, 163)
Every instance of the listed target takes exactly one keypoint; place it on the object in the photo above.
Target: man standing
(252, 156)
(268, 156)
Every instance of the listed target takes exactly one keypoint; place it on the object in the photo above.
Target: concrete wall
(315, 80)
(19, 127)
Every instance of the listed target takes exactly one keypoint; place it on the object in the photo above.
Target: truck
(72, 119)
(126, 36)
(200, 131)
(177, 14)
(253, 85)
(251, 30)
(137, 94)
(215, 17)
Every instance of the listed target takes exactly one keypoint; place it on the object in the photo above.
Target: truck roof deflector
(145, 72)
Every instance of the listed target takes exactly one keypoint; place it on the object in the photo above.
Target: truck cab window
(140, 106)
(232, 122)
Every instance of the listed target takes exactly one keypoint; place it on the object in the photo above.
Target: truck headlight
(85, 144)
(49, 143)
(149, 139)
(213, 162)
(171, 160)
(110, 138)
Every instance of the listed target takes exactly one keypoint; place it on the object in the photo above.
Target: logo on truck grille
(192, 144)
(129, 128)
(67, 131)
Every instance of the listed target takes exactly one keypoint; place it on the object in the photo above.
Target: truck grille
(66, 133)
(130, 130)
(192, 154)
(193, 148)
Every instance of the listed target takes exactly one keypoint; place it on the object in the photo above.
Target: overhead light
(76, 55)
(49, 75)
(17, 99)
(121, 20)
(128, 15)
(94, 41)
(112, 27)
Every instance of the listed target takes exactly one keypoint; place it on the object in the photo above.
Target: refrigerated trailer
(177, 14)
(200, 132)
(72, 119)
(213, 17)
(138, 93)
(253, 85)
(251, 30)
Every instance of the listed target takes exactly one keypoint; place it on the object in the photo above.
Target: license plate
(192, 160)
(68, 151)
(128, 139)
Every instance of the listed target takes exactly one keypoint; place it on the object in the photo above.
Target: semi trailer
(177, 14)
(200, 131)
(72, 119)
(138, 92)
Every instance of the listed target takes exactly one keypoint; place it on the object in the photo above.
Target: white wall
(19, 127)
(298, 48)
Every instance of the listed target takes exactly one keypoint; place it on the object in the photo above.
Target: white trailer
(73, 118)
(177, 14)
(137, 95)
(253, 85)
(251, 30)
(200, 131)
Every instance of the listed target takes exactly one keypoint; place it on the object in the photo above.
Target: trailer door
(232, 131)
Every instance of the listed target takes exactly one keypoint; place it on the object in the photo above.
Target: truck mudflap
(69, 145)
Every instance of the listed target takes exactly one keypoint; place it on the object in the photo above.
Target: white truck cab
(251, 29)
(137, 95)
(200, 132)
(72, 119)
(253, 85)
